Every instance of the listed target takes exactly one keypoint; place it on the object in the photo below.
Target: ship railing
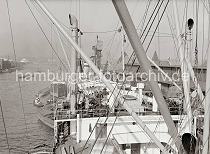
(90, 113)
(63, 114)
(148, 111)
(87, 113)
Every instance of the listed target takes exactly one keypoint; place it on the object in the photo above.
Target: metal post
(187, 62)
(140, 86)
(78, 128)
(123, 52)
(131, 32)
(100, 74)
(73, 64)
(154, 102)
(206, 136)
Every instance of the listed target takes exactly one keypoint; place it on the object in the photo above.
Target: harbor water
(24, 131)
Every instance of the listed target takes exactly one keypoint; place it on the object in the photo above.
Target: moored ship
(94, 112)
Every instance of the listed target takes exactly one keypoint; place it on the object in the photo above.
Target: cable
(158, 39)
(111, 106)
(5, 130)
(144, 19)
(42, 30)
(148, 145)
(79, 14)
(154, 32)
(14, 51)
(157, 26)
(147, 48)
(51, 40)
(142, 33)
(128, 91)
(145, 16)
(171, 29)
(112, 41)
(40, 26)
(185, 16)
(109, 133)
(96, 32)
(149, 28)
(109, 112)
(151, 18)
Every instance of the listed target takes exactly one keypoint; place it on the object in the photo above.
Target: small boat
(24, 60)
(38, 103)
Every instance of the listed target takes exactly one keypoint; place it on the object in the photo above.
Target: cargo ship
(95, 114)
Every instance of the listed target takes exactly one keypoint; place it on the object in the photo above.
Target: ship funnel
(190, 23)
(189, 143)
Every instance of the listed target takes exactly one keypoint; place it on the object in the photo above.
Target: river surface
(21, 137)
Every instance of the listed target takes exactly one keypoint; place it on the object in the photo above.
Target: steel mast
(74, 64)
(187, 62)
(184, 70)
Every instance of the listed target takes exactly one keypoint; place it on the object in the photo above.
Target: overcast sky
(94, 16)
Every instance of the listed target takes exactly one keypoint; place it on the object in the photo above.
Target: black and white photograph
(104, 76)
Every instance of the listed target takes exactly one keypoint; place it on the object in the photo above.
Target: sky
(93, 16)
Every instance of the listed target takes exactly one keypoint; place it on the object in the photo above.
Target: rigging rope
(148, 29)
(132, 64)
(157, 26)
(145, 16)
(15, 57)
(141, 35)
(107, 102)
(124, 100)
(5, 130)
(112, 41)
(148, 22)
(154, 31)
(42, 30)
(110, 108)
(153, 21)
(184, 19)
